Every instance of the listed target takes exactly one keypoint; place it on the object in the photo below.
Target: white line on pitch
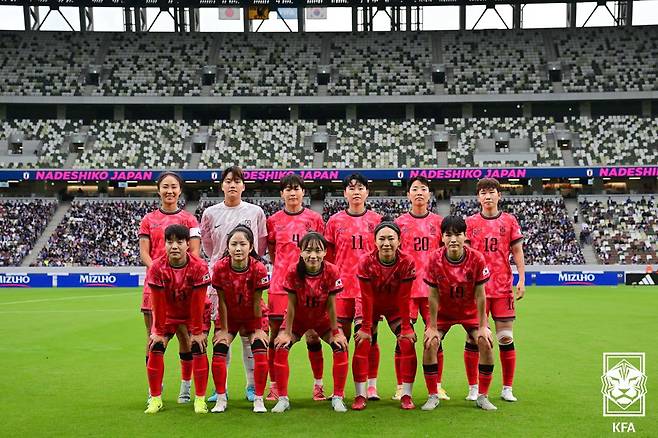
(5, 312)
(66, 298)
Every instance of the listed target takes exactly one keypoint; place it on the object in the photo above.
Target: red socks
(373, 361)
(508, 363)
(270, 363)
(471, 359)
(340, 367)
(439, 363)
(431, 378)
(219, 367)
(186, 366)
(316, 359)
(486, 373)
(155, 372)
(408, 361)
(398, 374)
(282, 371)
(260, 369)
(200, 368)
(360, 362)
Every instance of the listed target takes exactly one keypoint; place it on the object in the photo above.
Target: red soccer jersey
(153, 226)
(387, 288)
(350, 237)
(456, 283)
(239, 287)
(494, 238)
(312, 293)
(284, 230)
(179, 294)
(421, 236)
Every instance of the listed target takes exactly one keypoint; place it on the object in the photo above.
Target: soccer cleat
(484, 403)
(273, 395)
(372, 393)
(220, 406)
(398, 393)
(259, 405)
(359, 403)
(506, 394)
(250, 393)
(200, 406)
(432, 403)
(184, 394)
(154, 406)
(318, 393)
(472, 393)
(213, 397)
(338, 404)
(406, 403)
(443, 395)
(281, 406)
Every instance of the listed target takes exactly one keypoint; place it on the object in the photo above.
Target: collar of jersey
(492, 217)
(178, 210)
(347, 211)
(419, 217)
(317, 274)
(458, 262)
(293, 214)
(241, 271)
(182, 266)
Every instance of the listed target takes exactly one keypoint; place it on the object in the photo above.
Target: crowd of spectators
(21, 223)
(391, 207)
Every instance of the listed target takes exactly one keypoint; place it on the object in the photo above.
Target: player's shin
(340, 369)
(282, 371)
(155, 369)
(200, 370)
(360, 367)
(186, 365)
(471, 360)
(259, 349)
(317, 361)
(408, 365)
(219, 367)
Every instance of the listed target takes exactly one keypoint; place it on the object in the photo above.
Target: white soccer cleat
(443, 395)
(184, 393)
(483, 402)
(431, 403)
(398, 393)
(221, 404)
(472, 393)
(281, 406)
(338, 404)
(506, 394)
(259, 405)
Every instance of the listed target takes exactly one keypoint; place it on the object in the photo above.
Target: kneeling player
(456, 275)
(385, 276)
(312, 285)
(239, 279)
(178, 282)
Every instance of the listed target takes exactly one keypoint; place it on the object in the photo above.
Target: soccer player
(284, 230)
(421, 236)
(239, 279)
(216, 222)
(178, 283)
(152, 246)
(385, 277)
(312, 285)
(496, 234)
(350, 235)
(456, 275)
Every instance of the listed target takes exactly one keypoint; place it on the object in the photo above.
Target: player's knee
(221, 349)
(483, 345)
(284, 347)
(158, 347)
(314, 346)
(433, 346)
(186, 355)
(505, 337)
(258, 346)
(196, 349)
(357, 327)
(336, 348)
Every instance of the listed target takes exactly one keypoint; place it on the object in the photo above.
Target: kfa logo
(624, 385)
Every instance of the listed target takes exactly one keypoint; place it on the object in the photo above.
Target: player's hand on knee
(411, 336)
(362, 336)
(201, 340)
(155, 339)
(484, 334)
(431, 338)
(339, 339)
(260, 335)
(221, 336)
(282, 340)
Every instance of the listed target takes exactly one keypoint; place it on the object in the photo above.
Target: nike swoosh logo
(217, 226)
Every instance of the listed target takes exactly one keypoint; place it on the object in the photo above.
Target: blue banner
(579, 278)
(468, 173)
(98, 280)
(287, 13)
(26, 280)
(529, 278)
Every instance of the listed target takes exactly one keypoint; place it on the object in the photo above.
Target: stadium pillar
(625, 13)
(3, 112)
(646, 108)
(355, 19)
(571, 14)
(178, 112)
(61, 112)
(31, 17)
(410, 111)
(301, 20)
(350, 112)
(86, 19)
(527, 110)
(537, 186)
(586, 109)
(462, 17)
(119, 112)
(248, 25)
(236, 112)
(141, 24)
(407, 11)
(294, 113)
(467, 110)
(127, 20)
(517, 16)
(195, 22)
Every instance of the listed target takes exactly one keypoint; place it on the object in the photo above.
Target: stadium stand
(21, 223)
(381, 63)
(624, 229)
(260, 143)
(496, 61)
(385, 206)
(97, 232)
(549, 236)
(270, 205)
(609, 58)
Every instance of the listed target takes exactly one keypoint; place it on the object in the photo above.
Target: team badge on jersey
(339, 283)
(485, 272)
(502, 230)
(206, 277)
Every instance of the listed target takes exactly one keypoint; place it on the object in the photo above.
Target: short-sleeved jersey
(386, 285)
(153, 226)
(350, 237)
(218, 220)
(178, 286)
(312, 292)
(456, 282)
(421, 236)
(239, 287)
(284, 231)
(494, 238)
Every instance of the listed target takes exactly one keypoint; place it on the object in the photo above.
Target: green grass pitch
(72, 364)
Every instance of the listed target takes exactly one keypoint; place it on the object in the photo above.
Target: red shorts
(171, 326)
(347, 309)
(247, 325)
(146, 300)
(501, 309)
(300, 327)
(419, 305)
(468, 324)
(277, 304)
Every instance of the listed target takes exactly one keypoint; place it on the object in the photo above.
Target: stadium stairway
(191, 206)
(443, 207)
(317, 205)
(61, 211)
(588, 250)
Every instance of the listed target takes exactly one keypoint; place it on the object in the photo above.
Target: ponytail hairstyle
(309, 238)
(250, 237)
